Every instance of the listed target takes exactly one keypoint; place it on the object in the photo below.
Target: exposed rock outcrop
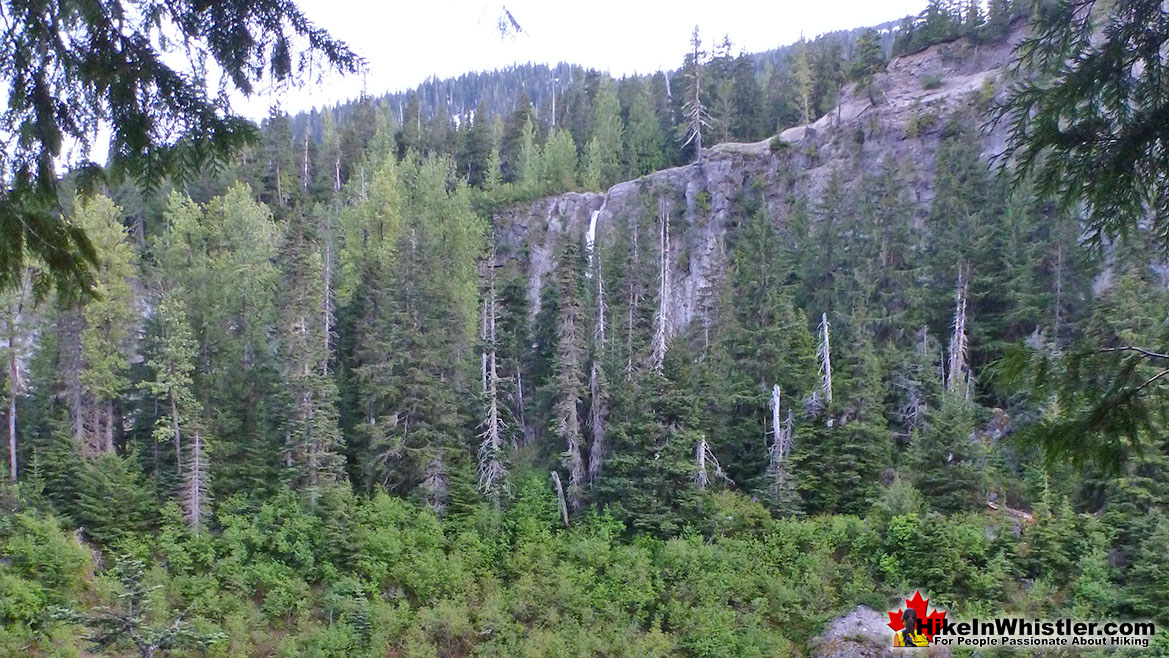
(901, 117)
(864, 633)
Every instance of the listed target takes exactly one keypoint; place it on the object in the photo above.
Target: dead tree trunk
(492, 470)
(703, 460)
(195, 490)
(661, 332)
(327, 311)
(560, 498)
(304, 173)
(15, 312)
(824, 352)
(174, 423)
(634, 261)
(435, 485)
(777, 452)
(598, 390)
(13, 388)
(958, 373)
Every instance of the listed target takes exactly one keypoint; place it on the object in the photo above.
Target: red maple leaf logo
(931, 622)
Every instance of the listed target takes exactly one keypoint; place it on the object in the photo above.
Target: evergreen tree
(828, 75)
(480, 146)
(695, 115)
(492, 173)
(842, 456)
(761, 341)
(998, 20)
(1149, 575)
(568, 372)
(106, 338)
(945, 458)
(220, 261)
(747, 120)
(172, 360)
(409, 136)
(649, 479)
(415, 308)
(328, 169)
(314, 447)
(601, 164)
(868, 59)
(644, 140)
(281, 172)
(518, 139)
(558, 172)
(803, 80)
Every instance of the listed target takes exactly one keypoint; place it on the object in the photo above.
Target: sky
(404, 43)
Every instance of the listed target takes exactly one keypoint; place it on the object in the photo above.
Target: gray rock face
(864, 633)
(900, 120)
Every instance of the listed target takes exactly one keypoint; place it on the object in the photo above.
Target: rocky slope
(902, 118)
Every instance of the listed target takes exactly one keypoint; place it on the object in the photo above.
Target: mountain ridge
(902, 118)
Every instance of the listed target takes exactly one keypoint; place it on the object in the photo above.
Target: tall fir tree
(107, 336)
(314, 447)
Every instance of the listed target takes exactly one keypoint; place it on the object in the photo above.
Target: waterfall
(591, 236)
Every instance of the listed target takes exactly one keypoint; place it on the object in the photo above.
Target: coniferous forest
(542, 362)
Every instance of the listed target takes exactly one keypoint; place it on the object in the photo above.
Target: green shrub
(21, 602)
(920, 122)
(931, 81)
(40, 552)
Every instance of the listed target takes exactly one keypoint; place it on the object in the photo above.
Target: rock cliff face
(902, 118)
(863, 633)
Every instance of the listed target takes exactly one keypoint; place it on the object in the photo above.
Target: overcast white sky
(406, 42)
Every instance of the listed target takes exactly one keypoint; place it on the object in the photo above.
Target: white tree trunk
(196, 488)
(492, 469)
(597, 412)
(327, 312)
(634, 261)
(174, 423)
(14, 313)
(958, 374)
(597, 394)
(703, 460)
(824, 352)
(560, 497)
(777, 452)
(661, 332)
(304, 174)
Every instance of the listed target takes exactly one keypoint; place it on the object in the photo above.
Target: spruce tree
(414, 246)
(695, 115)
(946, 458)
(314, 447)
(568, 372)
(868, 59)
(559, 169)
(642, 152)
(106, 339)
(173, 361)
(649, 481)
(803, 80)
(601, 163)
(746, 123)
(843, 455)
